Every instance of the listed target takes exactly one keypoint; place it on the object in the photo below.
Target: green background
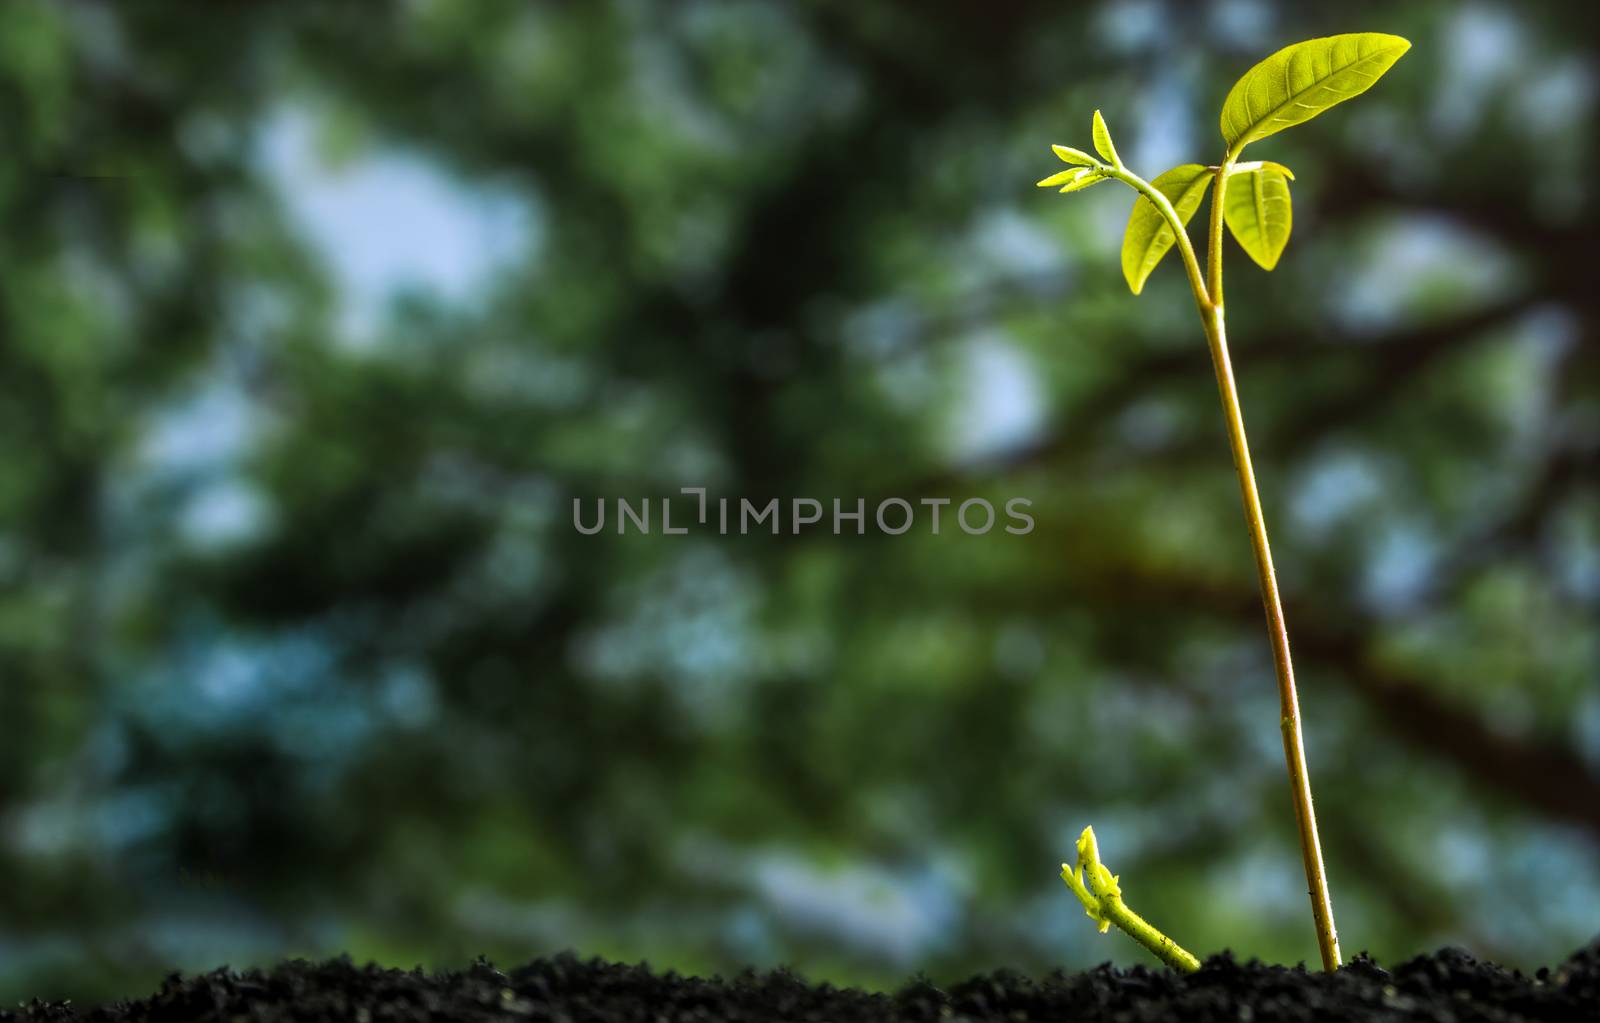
(315, 320)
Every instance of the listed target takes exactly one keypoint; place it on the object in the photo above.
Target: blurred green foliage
(300, 651)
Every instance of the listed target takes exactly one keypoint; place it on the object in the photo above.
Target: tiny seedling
(1252, 198)
(1102, 900)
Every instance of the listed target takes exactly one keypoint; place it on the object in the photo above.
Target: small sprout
(1288, 88)
(1102, 900)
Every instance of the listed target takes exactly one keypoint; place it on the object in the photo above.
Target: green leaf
(1070, 155)
(1074, 179)
(1301, 81)
(1149, 236)
(1258, 164)
(1063, 177)
(1084, 180)
(1102, 140)
(1257, 209)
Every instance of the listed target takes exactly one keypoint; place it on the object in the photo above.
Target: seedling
(1252, 198)
(1102, 900)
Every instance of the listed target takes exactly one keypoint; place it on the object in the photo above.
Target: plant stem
(1137, 928)
(1289, 701)
(1214, 245)
(1207, 290)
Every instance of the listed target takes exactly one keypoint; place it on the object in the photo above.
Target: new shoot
(1252, 198)
(1102, 900)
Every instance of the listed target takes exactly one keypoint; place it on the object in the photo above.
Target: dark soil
(1447, 986)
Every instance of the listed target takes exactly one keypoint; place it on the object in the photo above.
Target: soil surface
(1446, 986)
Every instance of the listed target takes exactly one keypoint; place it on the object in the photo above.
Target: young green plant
(1101, 896)
(1252, 199)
